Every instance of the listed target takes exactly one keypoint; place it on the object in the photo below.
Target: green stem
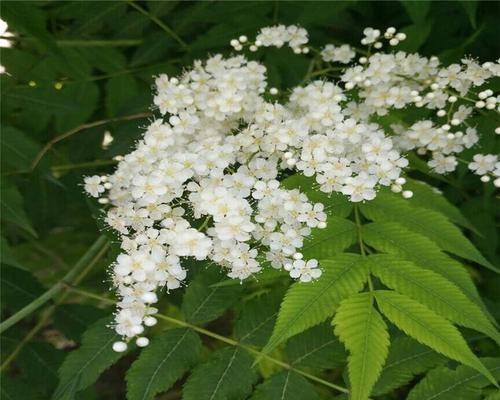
(362, 249)
(98, 43)
(89, 164)
(69, 278)
(220, 338)
(158, 22)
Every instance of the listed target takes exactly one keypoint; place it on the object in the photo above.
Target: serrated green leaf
(335, 203)
(36, 357)
(407, 358)
(307, 304)
(74, 319)
(83, 366)
(363, 331)
(257, 318)
(316, 348)
(203, 303)
(391, 237)
(424, 325)
(338, 235)
(390, 207)
(432, 290)
(285, 385)
(426, 196)
(463, 383)
(228, 374)
(163, 362)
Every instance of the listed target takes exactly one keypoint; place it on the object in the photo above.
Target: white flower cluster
(276, 36)
(398, 80)
(204, 181)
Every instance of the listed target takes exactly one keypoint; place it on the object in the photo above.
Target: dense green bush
(79, 69)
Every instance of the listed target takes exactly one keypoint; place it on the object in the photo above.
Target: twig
(70, 277)
(73, 131)
(49, 311)
(158, 22)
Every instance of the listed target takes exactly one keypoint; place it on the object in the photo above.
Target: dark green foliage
(228, 374)
(164, 361)
(202, 302)
(285, 386)
(77, 62)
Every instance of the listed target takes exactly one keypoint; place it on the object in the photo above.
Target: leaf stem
(158, 22)
(362, 249)
(220, 338)
(72, 276)
(88, 164)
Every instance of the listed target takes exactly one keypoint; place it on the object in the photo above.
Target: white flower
(306, 271)
(93, 185)
(483, 164)
(342, 54)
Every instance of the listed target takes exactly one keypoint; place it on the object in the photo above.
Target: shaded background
(74, 63)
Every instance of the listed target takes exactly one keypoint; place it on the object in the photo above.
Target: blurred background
(76, 90)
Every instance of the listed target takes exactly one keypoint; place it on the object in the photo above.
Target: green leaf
(12, 209)
(390, 207)
(203, 303)
(426, 196)
(432, 290)
(120, 90)
(470, 8)
(15, 389)
(18, 287)
(335, 203)
(84, 95)
(18, 150)
(407, 358)
(363, 331)
(424, 325)
(163, 362)
(307, 304)
(27, 18)
(316, 348)
(83, 366)
(417, 10)
(391, 237)
(257, 318)
(36, 357)
(322, 244)
(73, 319)
(7, 256)
(286, 385)
(463, 383)
(228, 374)
(417, 35)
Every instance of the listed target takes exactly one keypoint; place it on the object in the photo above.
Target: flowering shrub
(300, 222)
(222, 145)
